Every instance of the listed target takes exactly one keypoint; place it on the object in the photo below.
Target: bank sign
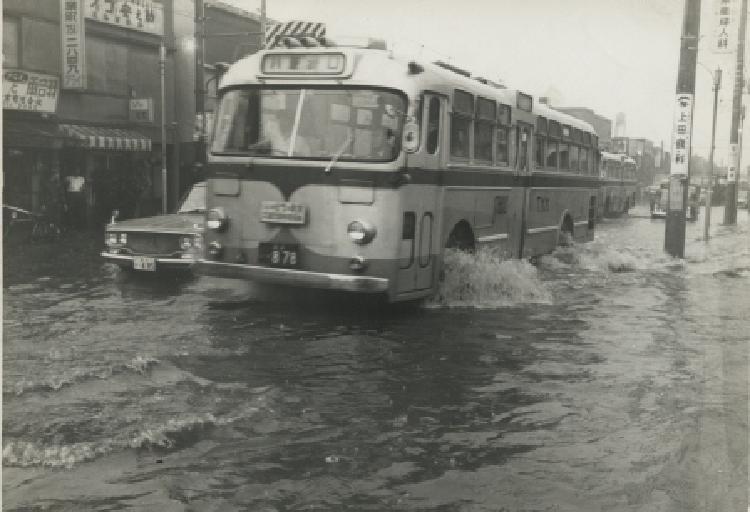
(25, 90)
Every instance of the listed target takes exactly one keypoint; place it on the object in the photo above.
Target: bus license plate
(279, 255)
(144, 263)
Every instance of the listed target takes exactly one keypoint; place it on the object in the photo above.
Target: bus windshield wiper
(338, 154)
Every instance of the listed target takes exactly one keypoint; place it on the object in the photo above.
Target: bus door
(522, 169)
(420, 204)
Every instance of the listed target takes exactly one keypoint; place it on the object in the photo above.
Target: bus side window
(433, 126)
(524, 139)
(461, 122)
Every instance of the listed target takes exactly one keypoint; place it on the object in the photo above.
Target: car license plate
(280, 212)
(279, 255)
(144, 263)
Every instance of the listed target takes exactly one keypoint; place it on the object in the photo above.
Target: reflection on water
(606, 377)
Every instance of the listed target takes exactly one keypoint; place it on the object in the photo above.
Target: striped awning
(99, 137)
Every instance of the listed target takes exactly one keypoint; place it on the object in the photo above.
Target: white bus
(618, 188)
(350, 168)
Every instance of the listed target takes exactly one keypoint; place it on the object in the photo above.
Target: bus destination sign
(303, 64)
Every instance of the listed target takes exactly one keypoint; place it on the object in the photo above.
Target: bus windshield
(284, 122)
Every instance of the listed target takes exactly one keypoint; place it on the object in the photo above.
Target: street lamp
(707, 219)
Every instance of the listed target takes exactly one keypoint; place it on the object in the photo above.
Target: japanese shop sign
(142, 110)
(24, 90)
(683, 125)
(142, 15)
(725, 29)
(73, 56)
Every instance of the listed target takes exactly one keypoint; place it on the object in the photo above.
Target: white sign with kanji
(73, 46)
(142, 15)
(725, 26)
(26, 90)
(683, 125)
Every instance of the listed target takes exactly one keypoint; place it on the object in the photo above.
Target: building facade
(82, 102)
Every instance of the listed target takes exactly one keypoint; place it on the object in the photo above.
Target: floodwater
(608, 377)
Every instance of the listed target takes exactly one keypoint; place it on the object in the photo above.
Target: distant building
(602, 125)
(620, 125)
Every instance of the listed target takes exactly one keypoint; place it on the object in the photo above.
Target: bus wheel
(565, 236)
(461, 238)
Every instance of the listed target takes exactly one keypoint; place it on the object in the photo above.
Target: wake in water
(483, 280)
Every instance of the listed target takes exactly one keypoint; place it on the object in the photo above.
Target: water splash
(139, 364)
(163, 435)
(482, 280)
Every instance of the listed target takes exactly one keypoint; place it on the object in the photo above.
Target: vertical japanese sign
(683, 124)
(73, 55)
(726, 16)
(734, 162)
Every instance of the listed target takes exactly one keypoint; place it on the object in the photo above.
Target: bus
(353, 169)
(618, 184)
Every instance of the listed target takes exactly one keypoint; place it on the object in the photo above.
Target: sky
(608, 55)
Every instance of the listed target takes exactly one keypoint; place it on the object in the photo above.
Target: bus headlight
(361, 232)
(217, 219)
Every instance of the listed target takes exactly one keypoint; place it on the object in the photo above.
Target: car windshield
(346, 124)
(195, 200)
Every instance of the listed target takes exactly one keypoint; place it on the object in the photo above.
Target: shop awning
(99, 137)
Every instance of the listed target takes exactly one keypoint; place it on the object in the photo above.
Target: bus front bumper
(291, 277)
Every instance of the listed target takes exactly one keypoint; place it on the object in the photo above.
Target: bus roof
(382, 68)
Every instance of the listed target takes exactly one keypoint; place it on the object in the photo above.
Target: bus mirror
(410, 141)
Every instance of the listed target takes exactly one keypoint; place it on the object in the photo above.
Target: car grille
(153, 243)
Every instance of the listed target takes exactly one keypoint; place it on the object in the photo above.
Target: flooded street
(608, 377)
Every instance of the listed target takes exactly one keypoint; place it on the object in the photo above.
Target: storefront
(77, 174)
(104, 169)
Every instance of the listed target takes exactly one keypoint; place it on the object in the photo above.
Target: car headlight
(123, 238)
(361, 232)
(186, 242)
(110, 238)
(217, 219)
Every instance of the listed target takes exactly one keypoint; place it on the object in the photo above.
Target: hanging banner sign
(25, 90)
(683, 125)
(725, 26)
(73, 45)
(141, 15)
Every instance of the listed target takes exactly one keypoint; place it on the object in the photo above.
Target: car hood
(171, 223)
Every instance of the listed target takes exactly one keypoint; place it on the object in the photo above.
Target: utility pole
(162, 78)
(679, 179)
(263, 23)
(707, 217)
(200, 82)
(730, 210)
